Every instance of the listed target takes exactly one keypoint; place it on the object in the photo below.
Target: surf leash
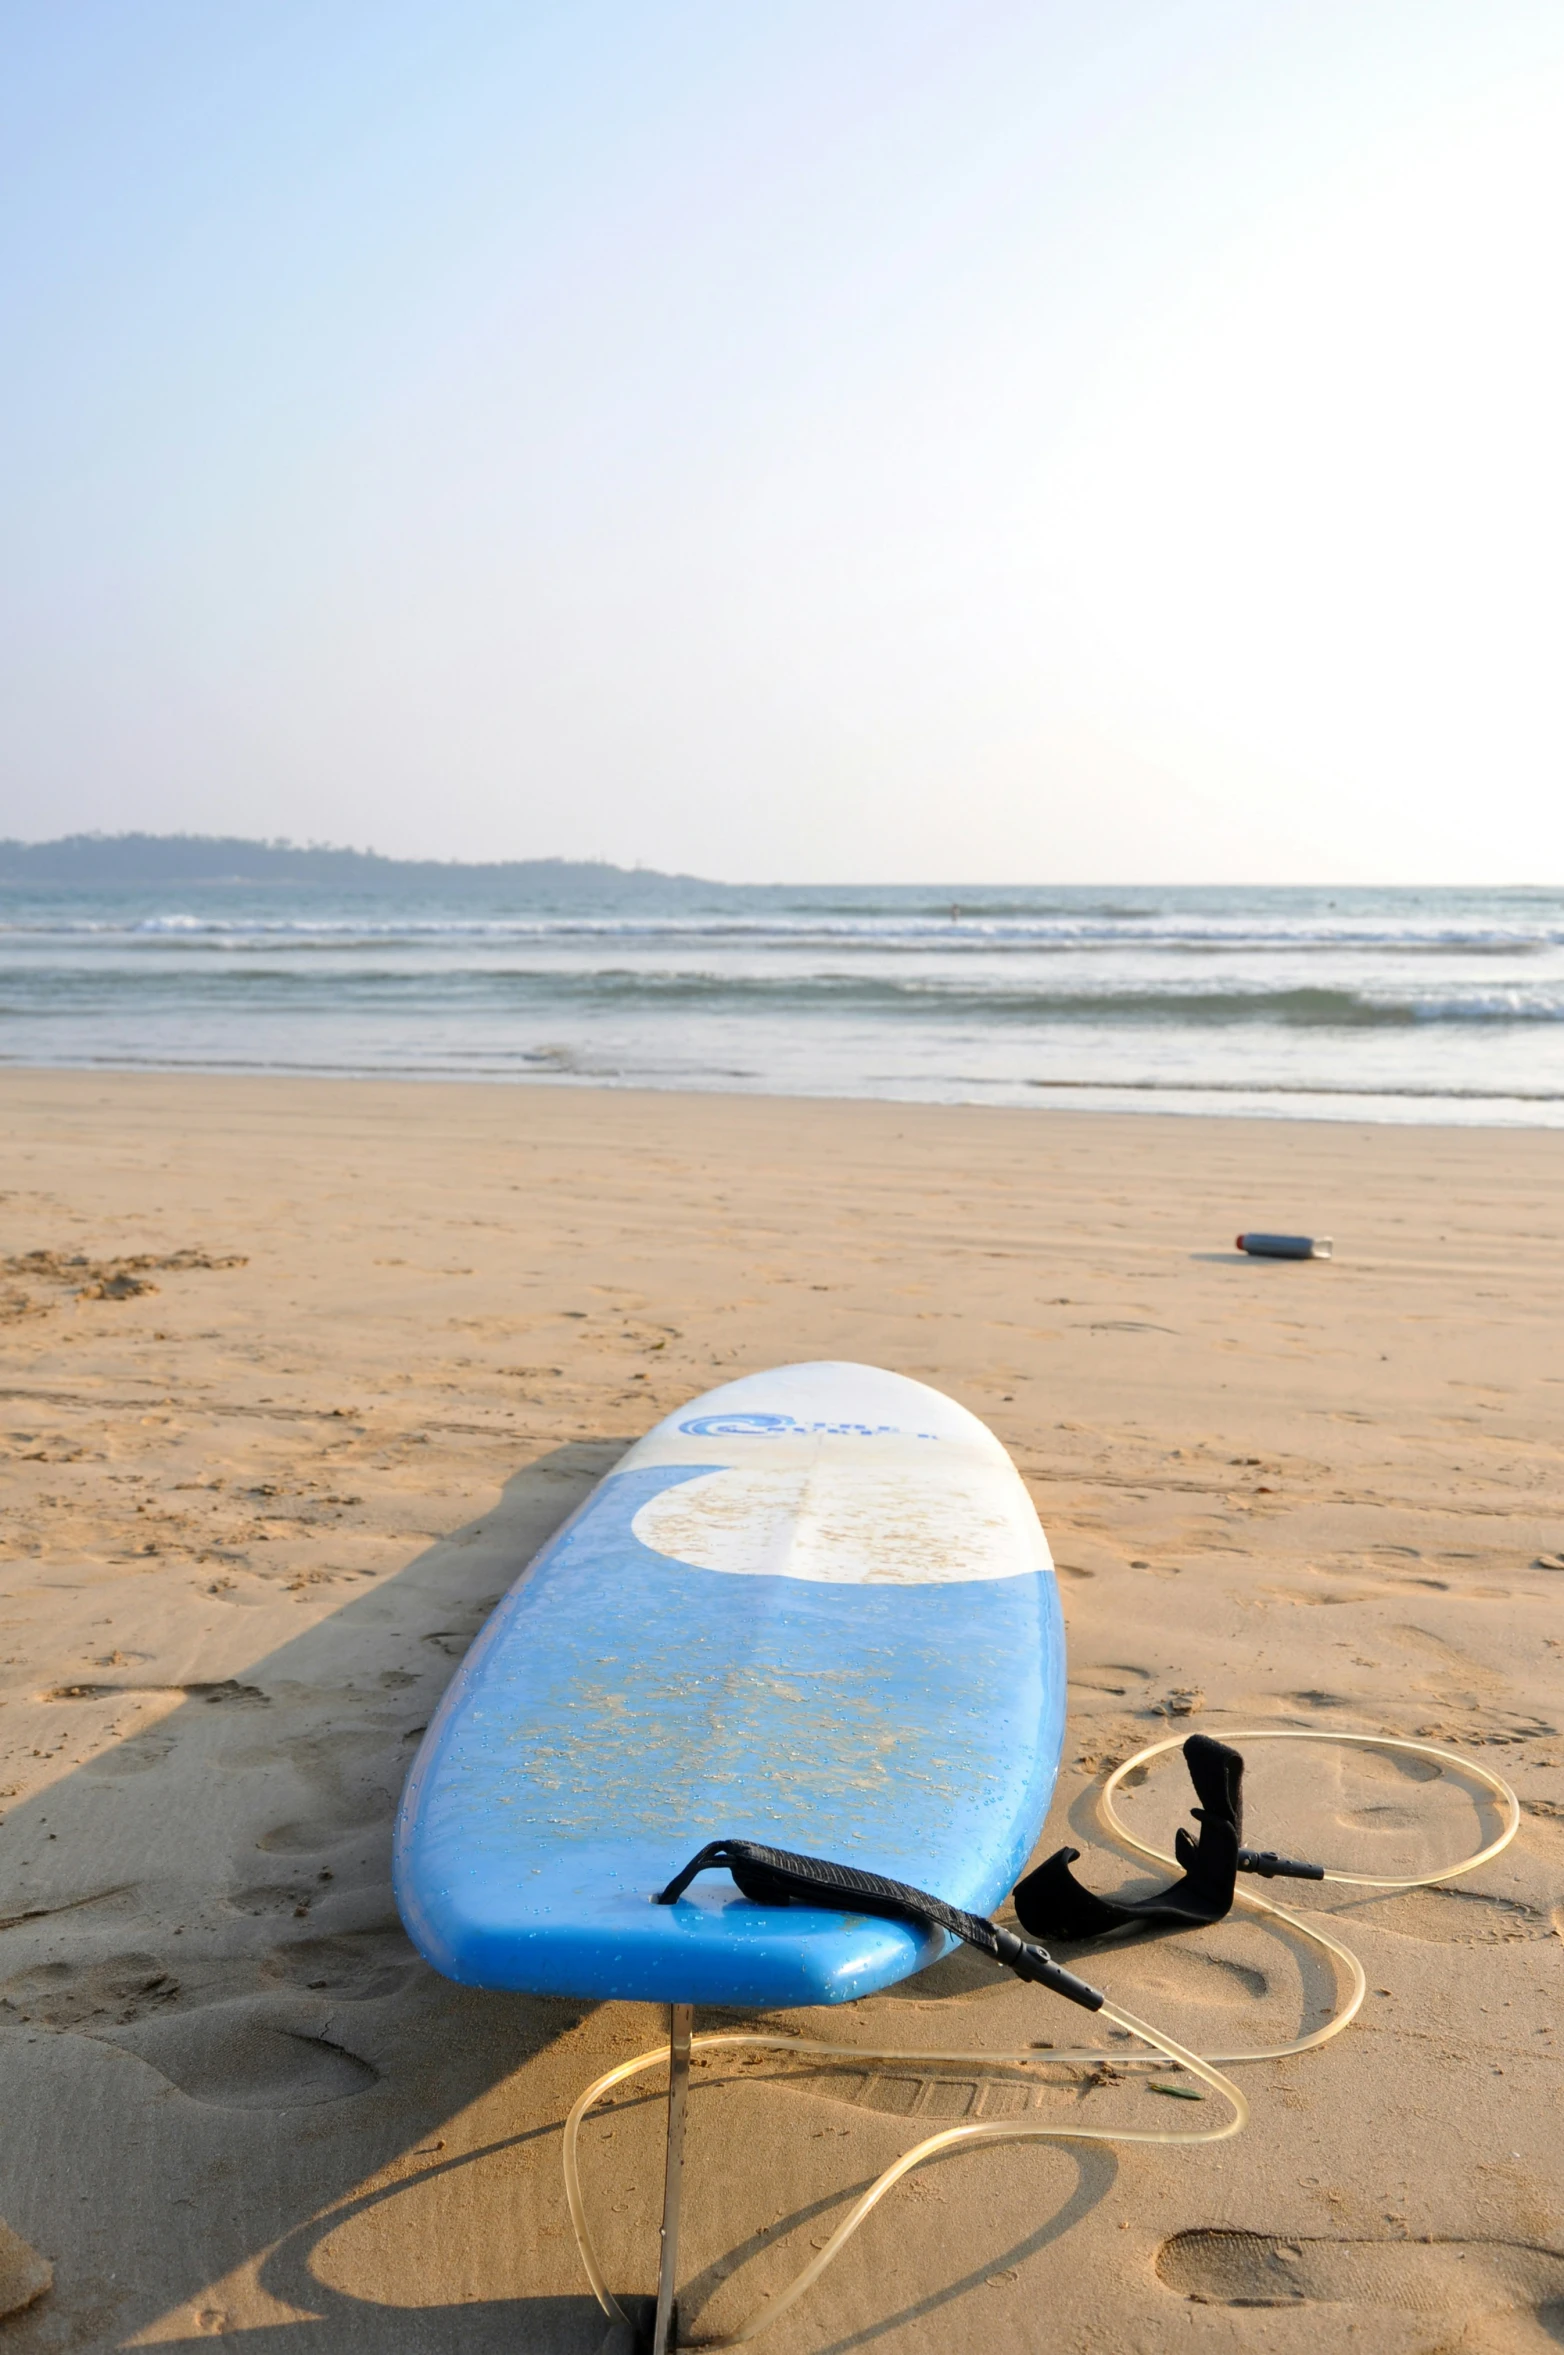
(1206, 1892)
(1052, 1903)
(776, 1876)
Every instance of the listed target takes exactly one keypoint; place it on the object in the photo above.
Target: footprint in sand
(258, 1899)
(1187, 1974)
(94, 1998)
(317, 1835)
(355, 1779)
(1451, 2277)
(1456, 1917)
(1382, 1816)
(304, 1839)
(356, 1967)
(232, 2053)
(238, 2058)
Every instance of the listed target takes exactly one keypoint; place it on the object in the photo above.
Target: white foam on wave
(1187, 999)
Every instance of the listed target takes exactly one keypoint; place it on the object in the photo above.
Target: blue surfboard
(814, 1608)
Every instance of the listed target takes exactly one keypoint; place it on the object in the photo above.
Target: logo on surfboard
(758, 1426)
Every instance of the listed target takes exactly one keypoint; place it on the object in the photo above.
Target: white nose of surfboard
(829, 1398)
(842, 1475)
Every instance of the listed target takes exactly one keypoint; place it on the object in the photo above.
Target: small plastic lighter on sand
(1286, 1246)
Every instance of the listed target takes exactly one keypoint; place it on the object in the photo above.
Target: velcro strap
(778, 1876)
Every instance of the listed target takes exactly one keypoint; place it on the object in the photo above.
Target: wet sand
(297, 1375)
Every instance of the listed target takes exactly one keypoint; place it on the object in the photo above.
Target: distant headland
(86, 861)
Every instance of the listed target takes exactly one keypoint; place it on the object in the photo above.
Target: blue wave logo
(756, 1426)
(738, 1426)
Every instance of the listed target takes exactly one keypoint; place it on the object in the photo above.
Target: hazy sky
(1114, 440)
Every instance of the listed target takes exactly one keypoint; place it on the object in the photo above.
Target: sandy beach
(297, 1375)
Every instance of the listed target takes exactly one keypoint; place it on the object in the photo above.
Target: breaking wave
(1449, 1002)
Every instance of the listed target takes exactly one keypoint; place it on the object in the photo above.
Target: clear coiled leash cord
(1207, 2067)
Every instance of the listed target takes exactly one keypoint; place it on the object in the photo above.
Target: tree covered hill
(93, 861)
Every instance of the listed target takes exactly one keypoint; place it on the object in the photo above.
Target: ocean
(1404, 1005)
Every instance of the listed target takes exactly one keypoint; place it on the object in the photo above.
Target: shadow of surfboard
(228, 2044)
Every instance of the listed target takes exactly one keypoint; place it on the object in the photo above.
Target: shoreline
(1314, 1107)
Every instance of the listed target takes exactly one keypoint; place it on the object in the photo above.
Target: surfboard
(814, 1608)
